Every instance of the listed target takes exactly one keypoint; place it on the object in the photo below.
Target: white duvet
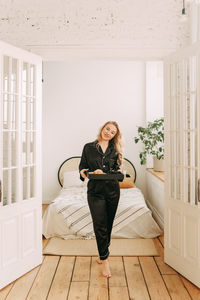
(69, 212)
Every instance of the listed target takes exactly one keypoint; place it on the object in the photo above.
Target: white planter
(158, 164)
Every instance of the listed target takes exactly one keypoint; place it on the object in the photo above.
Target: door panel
(20, 163)
(182, 161)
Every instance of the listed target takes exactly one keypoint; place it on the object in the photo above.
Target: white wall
(154, 96)
(154, 90)
(78, 97)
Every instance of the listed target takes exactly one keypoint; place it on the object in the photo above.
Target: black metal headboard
(72, 164)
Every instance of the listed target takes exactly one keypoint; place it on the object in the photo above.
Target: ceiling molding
(98, 52)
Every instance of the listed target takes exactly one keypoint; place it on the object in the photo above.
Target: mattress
(68, 216)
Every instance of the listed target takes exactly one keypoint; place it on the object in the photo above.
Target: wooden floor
(133, 278)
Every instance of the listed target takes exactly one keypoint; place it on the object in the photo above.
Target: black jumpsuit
(103, 195)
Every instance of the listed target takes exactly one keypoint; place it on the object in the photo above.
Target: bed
(68, 215)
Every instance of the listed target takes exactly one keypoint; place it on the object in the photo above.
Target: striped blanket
(72, 203)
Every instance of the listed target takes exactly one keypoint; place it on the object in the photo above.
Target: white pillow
(72, 178)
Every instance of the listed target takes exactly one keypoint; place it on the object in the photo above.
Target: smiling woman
(108, 132)
(102, 156)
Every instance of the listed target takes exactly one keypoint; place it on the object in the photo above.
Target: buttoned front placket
(108, 150)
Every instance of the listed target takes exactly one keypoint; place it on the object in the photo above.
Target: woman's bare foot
(106, 269)
(99, 261)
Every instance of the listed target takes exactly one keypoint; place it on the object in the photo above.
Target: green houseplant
(152, 137)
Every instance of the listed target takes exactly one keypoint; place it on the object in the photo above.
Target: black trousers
(103, 197)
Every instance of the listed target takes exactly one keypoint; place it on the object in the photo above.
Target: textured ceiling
(137, 23)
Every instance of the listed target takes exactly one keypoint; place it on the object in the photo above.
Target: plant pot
(158, 164)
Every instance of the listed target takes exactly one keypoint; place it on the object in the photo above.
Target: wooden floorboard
(135, 279)
(71, 277)
(62, 279)
(82, 269)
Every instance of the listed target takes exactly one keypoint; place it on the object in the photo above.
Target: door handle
(198, 190)
(0, 191)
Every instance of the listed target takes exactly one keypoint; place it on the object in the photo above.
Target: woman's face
(108, 132)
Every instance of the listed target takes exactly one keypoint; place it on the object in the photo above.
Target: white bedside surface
(155, 195)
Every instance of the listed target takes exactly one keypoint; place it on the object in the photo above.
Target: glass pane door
(19, 130)
(28, 130)
(190, 128)
(10, 129)
(183, 131)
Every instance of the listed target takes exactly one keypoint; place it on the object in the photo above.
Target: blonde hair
(116, 140)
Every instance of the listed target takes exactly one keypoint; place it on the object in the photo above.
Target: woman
(101, 156)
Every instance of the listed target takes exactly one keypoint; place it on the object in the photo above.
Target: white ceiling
(150, 25)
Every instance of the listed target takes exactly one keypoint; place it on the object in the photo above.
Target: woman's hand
(82, 172)
(98, 171)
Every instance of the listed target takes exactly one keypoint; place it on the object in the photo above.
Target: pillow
(127, 183)
(71, 178)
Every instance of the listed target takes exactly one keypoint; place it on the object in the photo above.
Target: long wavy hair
(116, 140)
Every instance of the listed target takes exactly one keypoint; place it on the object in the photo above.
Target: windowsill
(159, 175)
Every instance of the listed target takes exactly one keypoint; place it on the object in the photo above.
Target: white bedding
(68, 216)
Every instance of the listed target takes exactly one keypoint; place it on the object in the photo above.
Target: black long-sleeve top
(93, 158)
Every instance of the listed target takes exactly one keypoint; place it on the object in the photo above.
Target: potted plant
(153, 139)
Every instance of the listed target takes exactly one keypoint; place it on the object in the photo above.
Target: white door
(182, 157)
(20, 162)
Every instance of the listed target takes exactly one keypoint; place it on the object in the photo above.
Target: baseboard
(159, 219)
